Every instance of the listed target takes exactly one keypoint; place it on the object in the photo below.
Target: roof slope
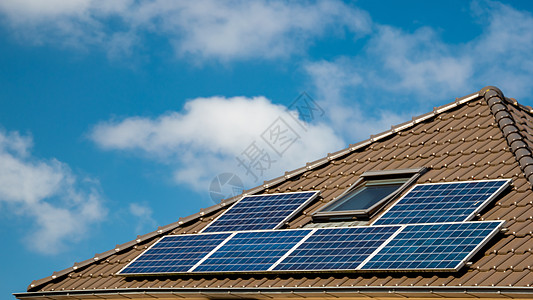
(481, 136)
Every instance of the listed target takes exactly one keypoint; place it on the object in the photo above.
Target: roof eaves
(304, 292)
(267, 184)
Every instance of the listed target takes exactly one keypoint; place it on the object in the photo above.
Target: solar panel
(443, 202)
(261, 212)
(174, 253)
(443, 247)
(252, 251)
(336, 248)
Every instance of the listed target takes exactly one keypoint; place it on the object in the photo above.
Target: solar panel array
(252, 251)
(433, 246)
(442, 202)
(438, 247)
(175, 253)
(261, 212)
(336, 248)
(427, 229)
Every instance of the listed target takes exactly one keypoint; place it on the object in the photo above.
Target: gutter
(303, 292)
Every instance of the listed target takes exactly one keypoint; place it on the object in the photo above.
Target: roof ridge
(507, 124)
(162, 230)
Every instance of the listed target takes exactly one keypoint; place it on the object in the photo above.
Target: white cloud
(48, 193)
(502, 53)
(337, 85)
(25, 10)
(205, 139)
(395, 64)
(203, 29)
(264, 29)
(402, 73)
(417, 62)
(143, 213)
(403, 63)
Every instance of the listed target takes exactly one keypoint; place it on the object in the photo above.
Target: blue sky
(116, 117)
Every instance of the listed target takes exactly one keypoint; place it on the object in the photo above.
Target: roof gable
(481, 136)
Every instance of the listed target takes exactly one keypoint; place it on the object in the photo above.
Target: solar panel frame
(251, 251)
(318, 255)
(384, 219)
(376, 258)
(312, 196)
(223, 238)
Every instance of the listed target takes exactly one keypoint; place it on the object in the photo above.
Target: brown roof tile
(526, 245)
(481, 278)
(497, 278)
(521, 229)
(526, 279)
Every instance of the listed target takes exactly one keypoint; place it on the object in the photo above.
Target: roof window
(371, 192)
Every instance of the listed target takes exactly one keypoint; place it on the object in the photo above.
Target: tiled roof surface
(474, 140)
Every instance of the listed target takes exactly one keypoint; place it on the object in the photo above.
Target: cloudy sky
(119, 116)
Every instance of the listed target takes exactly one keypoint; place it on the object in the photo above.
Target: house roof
(481, 136)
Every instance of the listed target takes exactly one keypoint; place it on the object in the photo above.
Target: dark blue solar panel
(252, 251)
(442, 202)
(444, 246)
(175, 253)
(261, 212)
(336, 248)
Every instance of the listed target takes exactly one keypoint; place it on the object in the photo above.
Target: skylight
(369, 194)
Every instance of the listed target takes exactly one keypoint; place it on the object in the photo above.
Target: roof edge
(507, 124)
(266, 184)
(373, 138)
(364, 291)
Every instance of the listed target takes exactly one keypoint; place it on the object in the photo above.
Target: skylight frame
(324, 214)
